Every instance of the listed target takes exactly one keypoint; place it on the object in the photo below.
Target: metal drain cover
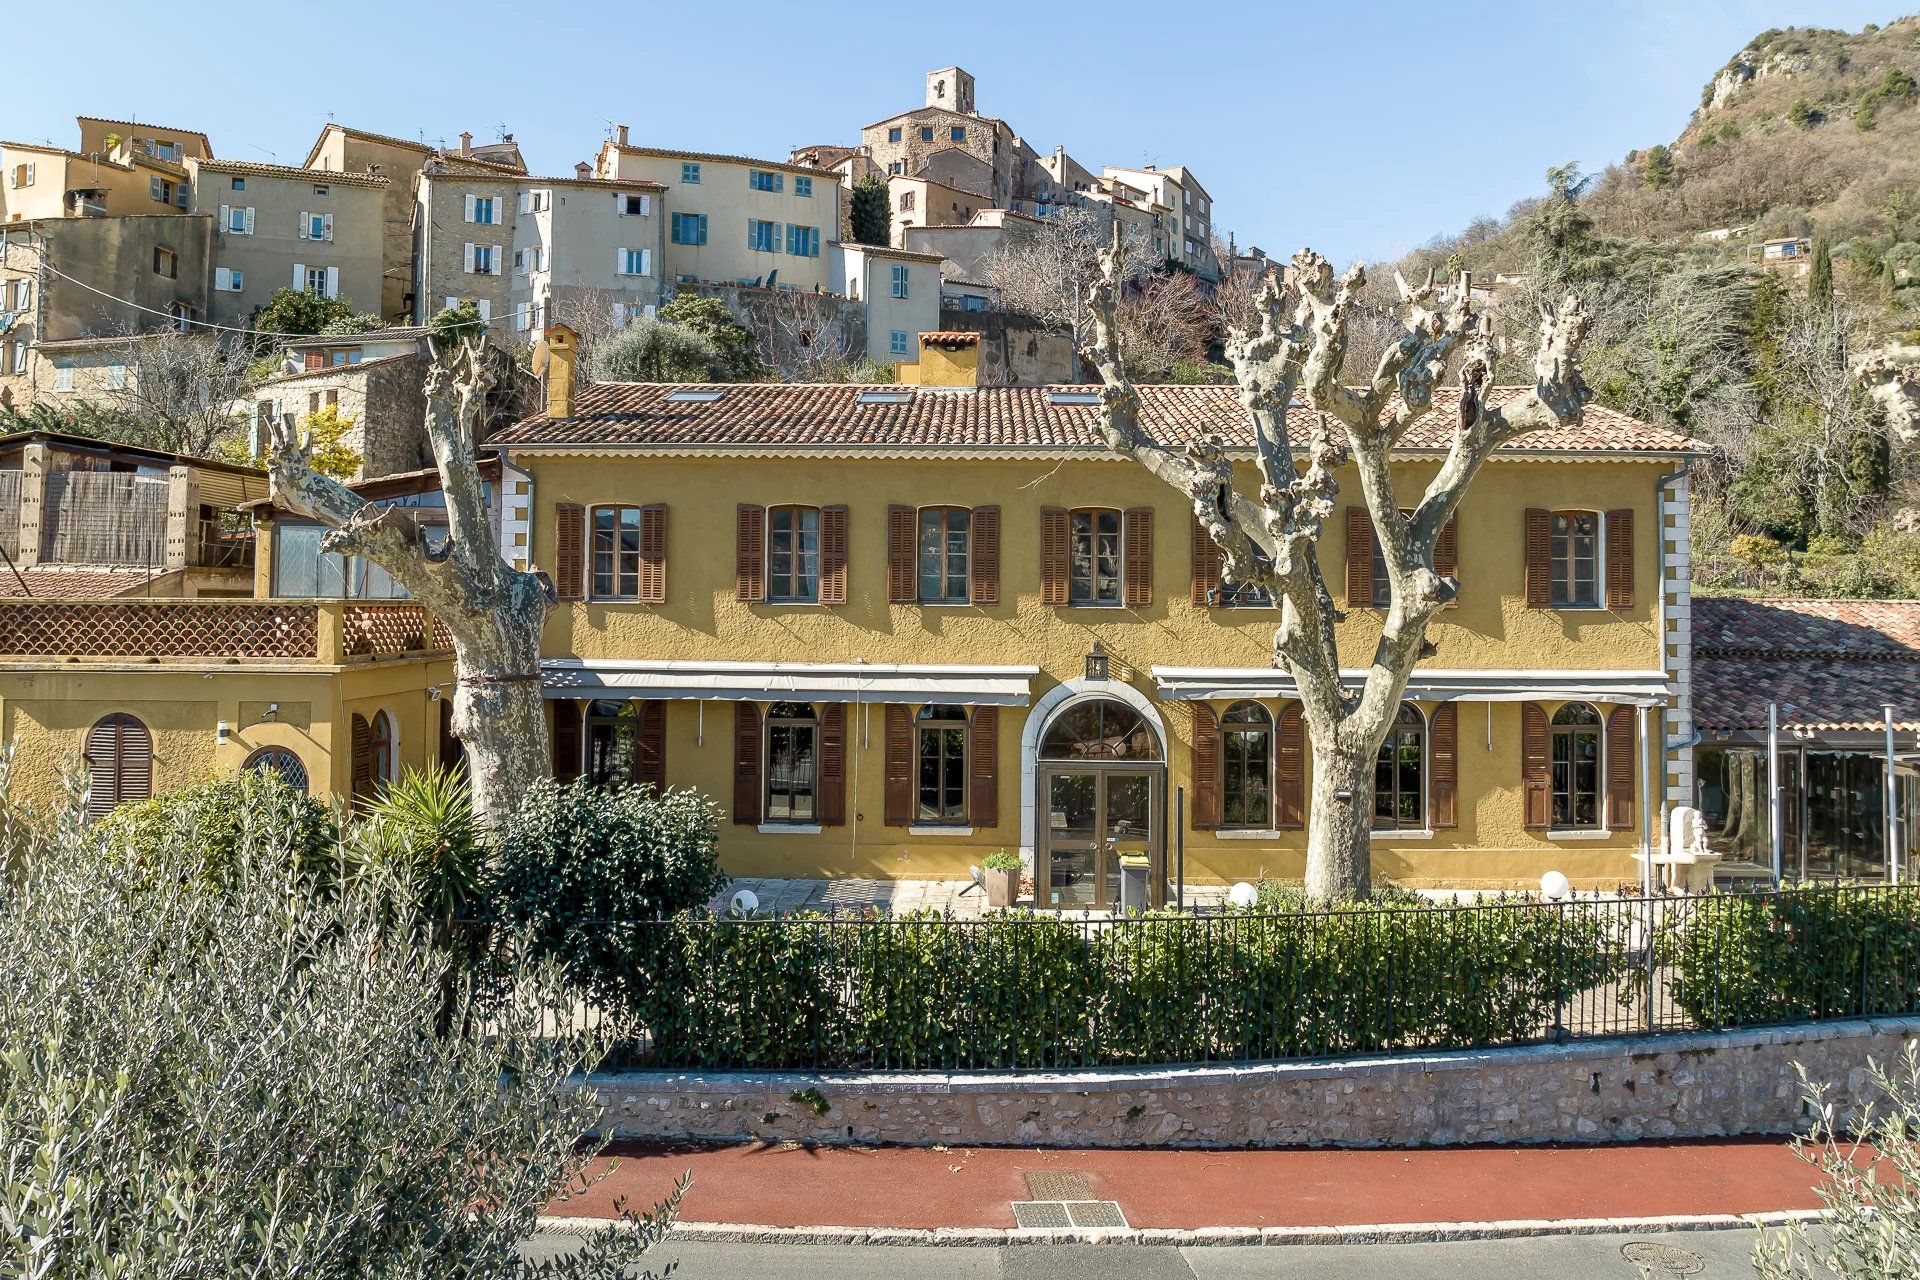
(1659, 1261)
(1054, 1184)
(1060, 1215)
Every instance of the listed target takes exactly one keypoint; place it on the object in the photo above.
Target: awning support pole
(1774, 814)
(1893, 804)
(1646, 805)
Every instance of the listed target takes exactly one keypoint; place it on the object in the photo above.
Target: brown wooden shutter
(1138, 576)
(1622, 752)
(1290, 773)
(1443, 765)
(983, 768)
(653, 553)
(1535, 745)
(1620, 559)
(650, 745)
(833, 555)
(832, 805)
(1053, 555)
(750, 558)
(983, 556)
(119, 754)
(1206, 768)
(1446, 550)
(567, 724)
(1209, 563)
(569, 550)
(902, 586)
(1539, 552)
(899, 772)
(1359, 558)
(360, 763)
(746, 764)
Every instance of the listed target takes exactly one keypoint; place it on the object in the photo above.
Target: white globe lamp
(1555, 887)
(1243, 895)
(745, 902)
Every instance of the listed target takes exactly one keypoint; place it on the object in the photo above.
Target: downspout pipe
(1668, 747)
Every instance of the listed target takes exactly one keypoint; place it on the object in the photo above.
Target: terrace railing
(216, 630)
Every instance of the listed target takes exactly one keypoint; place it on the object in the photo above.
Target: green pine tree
(1820, 274)
(871, 217)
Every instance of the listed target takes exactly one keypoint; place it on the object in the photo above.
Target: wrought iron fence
(1031, 991)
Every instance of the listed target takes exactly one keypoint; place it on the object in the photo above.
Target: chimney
(466, 143)
(583, 170)
(620, 134)
(947, 359)
(561, 345)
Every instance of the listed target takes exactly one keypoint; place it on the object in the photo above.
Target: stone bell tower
(952, 88)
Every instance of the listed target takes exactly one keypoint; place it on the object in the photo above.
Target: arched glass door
(1103, 781)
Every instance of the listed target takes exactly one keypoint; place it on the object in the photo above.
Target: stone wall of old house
(1699, 1085)
(988, 141)
(1015, 350)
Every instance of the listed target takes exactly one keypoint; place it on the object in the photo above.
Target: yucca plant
(423, 823)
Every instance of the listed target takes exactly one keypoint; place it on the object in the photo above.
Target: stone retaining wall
(1701, 1085)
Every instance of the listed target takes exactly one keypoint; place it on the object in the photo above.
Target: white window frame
(1599, 604)
(63, 376)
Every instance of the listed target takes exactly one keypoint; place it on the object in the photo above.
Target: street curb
(1383, 1233)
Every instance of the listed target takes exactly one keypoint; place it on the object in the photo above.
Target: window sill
(1249, 833)
(790, 828)
(944, 604)
(1402, 835)
(927, 829)
(1580, 834)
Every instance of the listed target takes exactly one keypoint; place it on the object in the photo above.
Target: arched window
(119, 756)
(280, 761)
(1101, 729)
(1576, 767)
(1246, 762)
(941, 751)
(1400, 774)
(793, 736)
(385, 756)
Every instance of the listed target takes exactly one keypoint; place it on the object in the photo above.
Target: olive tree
(493, 611)
(1298, 348)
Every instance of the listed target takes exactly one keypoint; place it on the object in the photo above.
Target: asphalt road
(1708, 1255)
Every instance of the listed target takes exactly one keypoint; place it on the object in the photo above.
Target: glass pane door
(1127, 814)
(1072, 840)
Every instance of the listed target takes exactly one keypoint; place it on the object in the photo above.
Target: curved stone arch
(1067, 694)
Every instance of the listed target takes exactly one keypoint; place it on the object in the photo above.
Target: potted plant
(1002, 873)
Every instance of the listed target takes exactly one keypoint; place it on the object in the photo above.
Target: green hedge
(1035, 991)
(1798, 955)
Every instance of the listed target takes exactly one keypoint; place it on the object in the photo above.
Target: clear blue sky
(1360, 128)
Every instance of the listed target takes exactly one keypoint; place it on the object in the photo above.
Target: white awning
(1003, 686)
(1637, 688)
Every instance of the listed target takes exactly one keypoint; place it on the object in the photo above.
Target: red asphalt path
(913, 1187)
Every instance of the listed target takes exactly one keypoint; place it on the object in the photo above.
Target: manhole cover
(1658, 1261)
(1059, 1185)
(1059, 1215)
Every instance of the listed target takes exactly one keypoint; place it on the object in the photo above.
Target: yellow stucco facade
(1490, 630)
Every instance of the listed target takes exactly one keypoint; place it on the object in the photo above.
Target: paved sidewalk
(928, 1188)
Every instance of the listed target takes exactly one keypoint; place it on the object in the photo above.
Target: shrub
(578, 857)
(1742, 959)
(1001, 860)
(649, 350)
(422, 827)
(251, 816)
(280, 1099)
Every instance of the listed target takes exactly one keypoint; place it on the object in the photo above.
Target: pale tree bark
(1299, 348)
(493, 611)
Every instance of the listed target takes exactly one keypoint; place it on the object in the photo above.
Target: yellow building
(895, 628)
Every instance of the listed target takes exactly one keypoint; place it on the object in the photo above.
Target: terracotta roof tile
(668, 153)
(1828, 664)
(75, 584)
(779, 416)
(324, 177)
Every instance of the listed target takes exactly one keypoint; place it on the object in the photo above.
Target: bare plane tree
(1270, 540)
(1045, 271)
(493, 611)
(803, 336)
(180, 390)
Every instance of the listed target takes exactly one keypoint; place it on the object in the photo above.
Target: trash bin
(1133, 883)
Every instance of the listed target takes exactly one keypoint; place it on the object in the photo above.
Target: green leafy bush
(250, 816)
(578, 857)
(1744, 959)
(286, 1098)
(1027, 990)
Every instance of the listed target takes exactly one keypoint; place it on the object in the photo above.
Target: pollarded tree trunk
(1300, 349)
(493, 611)
(1892, 378)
